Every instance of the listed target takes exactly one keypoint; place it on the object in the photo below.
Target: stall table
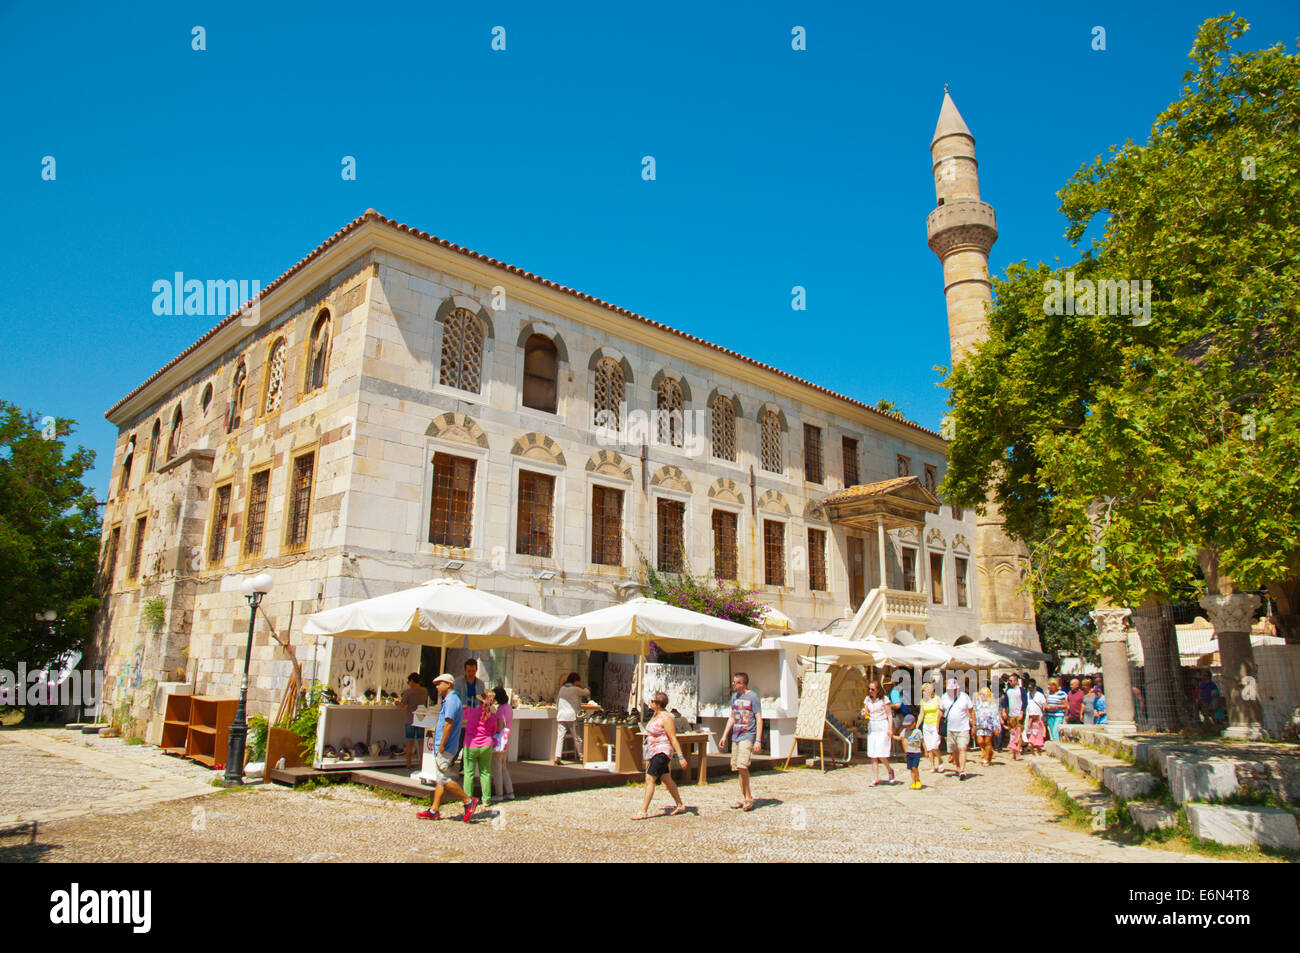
(696, 741)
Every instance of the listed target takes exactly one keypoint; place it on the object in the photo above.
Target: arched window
(235, 408)
(541, 369)
(770, 447)
(462, 351)
(318, 352)
(669, 404)
(724, 428)
(174, 438)
(206, 400)
(155, 437)
(275, 378)
(608, 393)
(127, 460)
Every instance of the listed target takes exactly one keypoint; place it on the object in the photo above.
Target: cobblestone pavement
(52, 774)
(802, 815)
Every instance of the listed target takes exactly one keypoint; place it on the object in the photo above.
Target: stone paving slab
(46, 777)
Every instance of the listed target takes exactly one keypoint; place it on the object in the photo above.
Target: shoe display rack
(366, 725)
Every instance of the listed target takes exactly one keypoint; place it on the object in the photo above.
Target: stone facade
(372, 429)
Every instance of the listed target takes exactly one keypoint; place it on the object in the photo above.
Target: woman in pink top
(660, 742)
(480, 726)
(502, 787)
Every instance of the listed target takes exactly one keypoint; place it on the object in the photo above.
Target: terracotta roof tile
(866, 491)
(373, 216)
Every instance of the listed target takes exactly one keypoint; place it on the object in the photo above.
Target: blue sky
(775, 168)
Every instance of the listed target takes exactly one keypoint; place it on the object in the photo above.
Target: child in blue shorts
(912, 740)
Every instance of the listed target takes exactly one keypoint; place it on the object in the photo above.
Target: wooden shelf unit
(176, 724)
(208, 737)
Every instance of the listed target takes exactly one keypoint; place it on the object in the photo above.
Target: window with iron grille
(812, 454)
(127, 461)
(236, 397)
(155, 437)
(110, 556)
(931, 479)
(255, 522)
(174, 438)
(606, 526)
(137, 549)
(318, 352)
(300, 498)
(541, 370)
(462, 351)
(534, 520)
(770, 441)
(724, 428)
(957, 513)
(724, 545)
(451, 511)
(962, 600)
(904, 465)
(909, 569)
(817, 560)
(275, 377)
(773, 553)
(672, 527)
(936, 578)
(669, 405)
(220, 522)
(608, 394)
(850, 461)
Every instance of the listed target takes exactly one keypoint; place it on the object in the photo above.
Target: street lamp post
(254, 589)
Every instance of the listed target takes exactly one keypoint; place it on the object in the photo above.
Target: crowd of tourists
(1017, 714)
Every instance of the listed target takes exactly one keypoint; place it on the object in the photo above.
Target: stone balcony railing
(903, 606)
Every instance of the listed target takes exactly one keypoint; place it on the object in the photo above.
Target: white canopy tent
(629, 627)
(446, 613)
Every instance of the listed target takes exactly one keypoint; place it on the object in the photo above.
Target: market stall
(443, 613)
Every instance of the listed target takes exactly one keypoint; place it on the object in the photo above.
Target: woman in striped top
(1057, 703)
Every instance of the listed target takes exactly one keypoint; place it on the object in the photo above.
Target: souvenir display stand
(367, 725)
(771, 677)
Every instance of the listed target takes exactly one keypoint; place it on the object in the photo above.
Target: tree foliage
(1121, 446)
(49, 540)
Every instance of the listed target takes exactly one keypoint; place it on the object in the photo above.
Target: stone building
(400, 408)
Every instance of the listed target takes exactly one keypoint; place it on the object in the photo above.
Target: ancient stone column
(1112, 634)
(1155, 628)
(1231, 616)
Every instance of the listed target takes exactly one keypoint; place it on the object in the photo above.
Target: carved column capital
(1111, 624)
(1232, 612)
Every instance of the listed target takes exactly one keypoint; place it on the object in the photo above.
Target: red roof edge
(371, 215)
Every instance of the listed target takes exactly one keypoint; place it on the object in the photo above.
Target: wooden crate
(283, 743)
(208, 737)
(176, 724)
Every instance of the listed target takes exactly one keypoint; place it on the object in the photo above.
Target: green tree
(1130, 449)
(49, 539)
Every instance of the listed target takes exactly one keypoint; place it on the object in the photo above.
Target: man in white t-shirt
(957, 706)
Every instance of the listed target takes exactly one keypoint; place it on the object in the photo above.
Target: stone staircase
(1130, 769)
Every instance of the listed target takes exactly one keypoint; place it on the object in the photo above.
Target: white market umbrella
(443, 613)
(774, 618)
(1017, 654)
(838, 650)
(629, 627)
(976, 657)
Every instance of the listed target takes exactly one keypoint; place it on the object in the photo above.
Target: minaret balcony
(964, 221)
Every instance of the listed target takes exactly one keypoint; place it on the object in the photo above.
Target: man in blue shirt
(443, 742)
(745, 729)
